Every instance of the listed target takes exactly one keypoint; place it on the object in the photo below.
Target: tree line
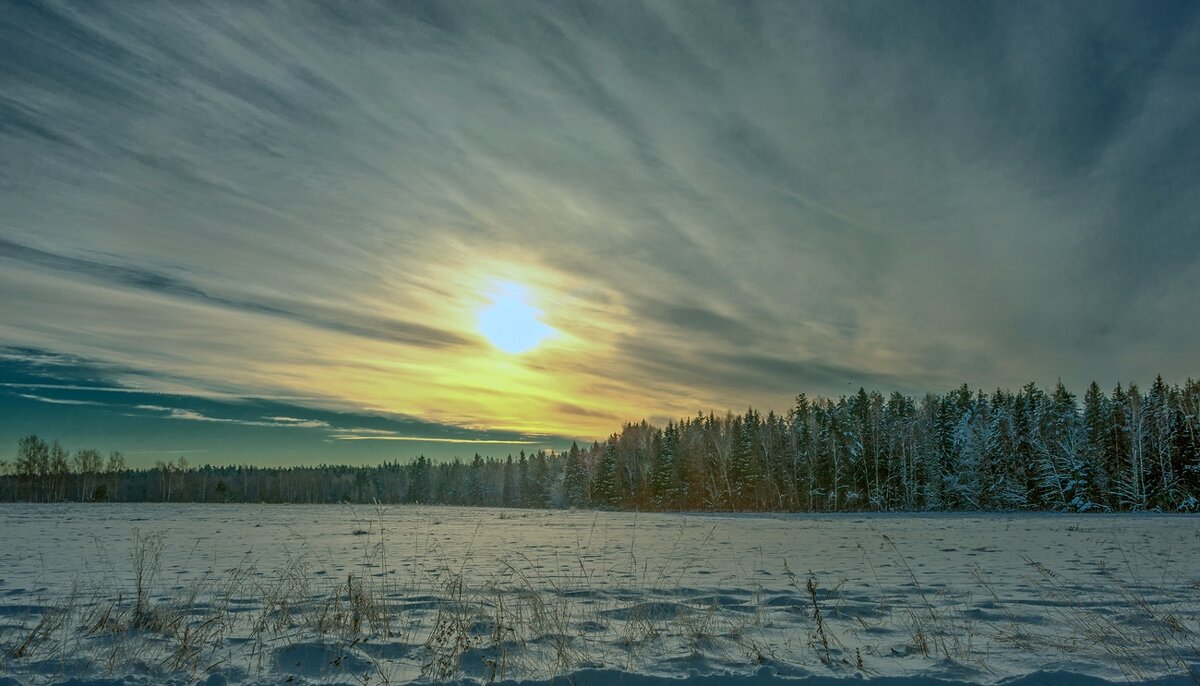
(963, 450)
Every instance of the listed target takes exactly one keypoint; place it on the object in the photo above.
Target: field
(123, 594)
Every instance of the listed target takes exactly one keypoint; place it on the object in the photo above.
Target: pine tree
(604, 490)
(803, 476)
(899, 416)
(538, 490)
(521, 481)
(964, 482)
(1162, 481)
(664, 474)
(1004, 488)
(1064, 470)
(575, 485)
(740, 473)
(941, 459)
(1095, 416)
(507, 476)
(1185, 460)
(477, 486)
(418, 483)
(1131, 486)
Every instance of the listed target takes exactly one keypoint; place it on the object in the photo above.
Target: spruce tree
(1095, 416)
(664, 474)
(604, 489)
(575, 479)
(418, 481)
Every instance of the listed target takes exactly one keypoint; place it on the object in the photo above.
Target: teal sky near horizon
(318, 232)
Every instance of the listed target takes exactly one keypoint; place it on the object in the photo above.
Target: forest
(1032, 449)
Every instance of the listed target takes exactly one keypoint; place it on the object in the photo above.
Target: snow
(245, 594)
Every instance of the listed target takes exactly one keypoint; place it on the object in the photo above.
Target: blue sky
(712, 205)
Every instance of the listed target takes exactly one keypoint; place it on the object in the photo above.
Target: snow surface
(265, 594)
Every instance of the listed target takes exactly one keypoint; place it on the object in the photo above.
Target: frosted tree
(772, 463)
(740, 470)
(537, 486)
(507, 479)
(879, 473)
(418, 481)
(604, 490)
(1095, 417)
(1004, 488)
(936, 450)
(1131, 483)
(575, 479)
(962, 480)
(1161, 480)
(664, 474)
(899, 419)
(477, 484)
(830, 459)
(1063, 468)
(1185, 434)
(801, 453)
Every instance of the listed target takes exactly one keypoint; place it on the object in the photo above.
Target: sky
(345, 232)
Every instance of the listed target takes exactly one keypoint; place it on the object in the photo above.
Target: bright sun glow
(510, 323)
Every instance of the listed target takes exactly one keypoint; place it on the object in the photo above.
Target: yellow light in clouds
(510, 322)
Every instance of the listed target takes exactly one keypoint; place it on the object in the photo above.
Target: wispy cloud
(273, 422)
(299, 423)
(334, 319)
(336, 433)
(425, 439)
(57, 401)
(147, 391)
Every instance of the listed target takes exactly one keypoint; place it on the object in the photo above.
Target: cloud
(758, 198)
(144, 391)
(273, 422)
(299, 423)
(407, 333)
(696, 320)
(573, 409)
(227, 429)
(57, 401)
(732, 373)
(350, 436)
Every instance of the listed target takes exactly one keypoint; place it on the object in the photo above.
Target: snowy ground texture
(390, 595)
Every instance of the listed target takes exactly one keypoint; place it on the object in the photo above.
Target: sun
(510, 322)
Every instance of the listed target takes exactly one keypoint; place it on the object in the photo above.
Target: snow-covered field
(335, 594)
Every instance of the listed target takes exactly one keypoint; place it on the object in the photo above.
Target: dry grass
(1137, 635)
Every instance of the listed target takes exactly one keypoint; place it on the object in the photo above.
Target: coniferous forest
(1128, 449)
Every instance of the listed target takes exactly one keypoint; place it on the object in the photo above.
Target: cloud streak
(421, 439)
(392, 331)
(57, 401)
